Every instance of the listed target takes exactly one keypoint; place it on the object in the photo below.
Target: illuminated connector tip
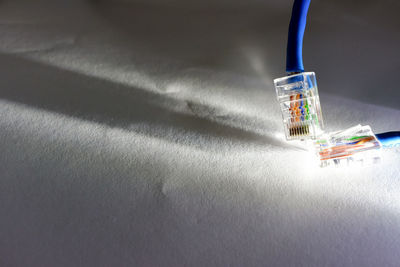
(303, 130)
(355, 146)
(299, 101)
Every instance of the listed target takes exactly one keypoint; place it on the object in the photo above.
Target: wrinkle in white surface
(126, 147)
(197, 194)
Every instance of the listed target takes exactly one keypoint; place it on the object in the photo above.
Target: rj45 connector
(299, 101)
(356, 145)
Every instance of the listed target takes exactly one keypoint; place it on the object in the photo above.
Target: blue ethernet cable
(389, 139)
(298, 93)
(294, 56)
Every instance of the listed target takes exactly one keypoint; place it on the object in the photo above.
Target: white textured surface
(138, 134)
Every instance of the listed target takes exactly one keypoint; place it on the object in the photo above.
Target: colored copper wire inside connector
(348, 147)
(299, 110)
(300, 106)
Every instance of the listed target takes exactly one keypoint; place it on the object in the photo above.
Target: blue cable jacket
(389, 139)
(294, 56)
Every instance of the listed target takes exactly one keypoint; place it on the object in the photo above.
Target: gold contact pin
(299, 130)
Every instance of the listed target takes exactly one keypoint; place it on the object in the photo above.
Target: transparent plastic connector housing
(299, 101)
(355, 146)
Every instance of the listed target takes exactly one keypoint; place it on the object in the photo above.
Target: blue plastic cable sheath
(294, 56)
(389, 139)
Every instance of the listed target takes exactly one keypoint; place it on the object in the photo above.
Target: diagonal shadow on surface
(93, 99)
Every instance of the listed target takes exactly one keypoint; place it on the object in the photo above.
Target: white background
(147, 133)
